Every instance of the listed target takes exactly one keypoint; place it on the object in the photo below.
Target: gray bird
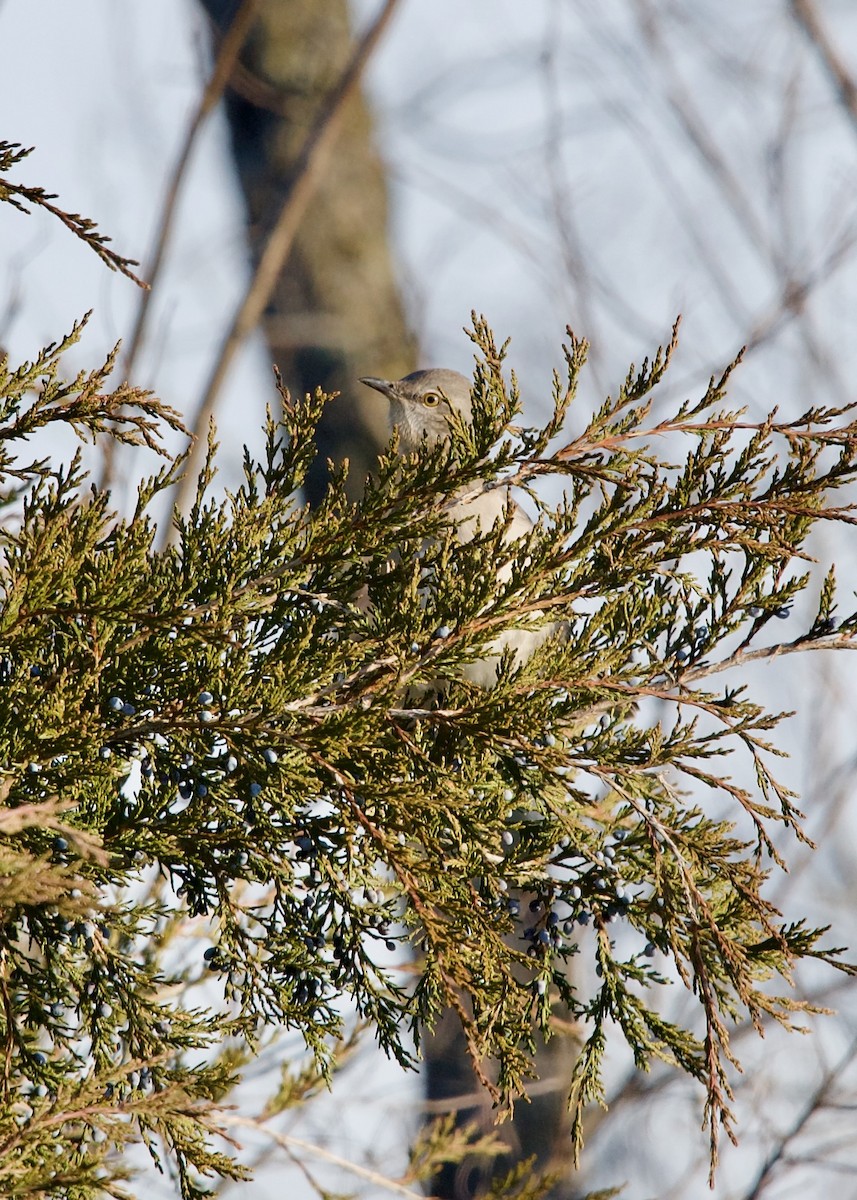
(420, 404)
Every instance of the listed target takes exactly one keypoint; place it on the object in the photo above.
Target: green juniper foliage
(241, 772)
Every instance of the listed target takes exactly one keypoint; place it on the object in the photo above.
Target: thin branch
(224, 65)
(19, 195)
(289, 1142)
(309, 170)
(816, 1101)
(731, 186)
(807, 17)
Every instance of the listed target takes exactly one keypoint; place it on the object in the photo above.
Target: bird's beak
(385, 386)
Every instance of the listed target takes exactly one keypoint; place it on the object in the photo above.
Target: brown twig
(223, 67)
(807, 17)
(817, 1100)
(700, 136)
(289, 1142)
(19, 195)
(309, 169)
(229, 50)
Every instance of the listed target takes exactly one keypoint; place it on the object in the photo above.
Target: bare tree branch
(223, 67)
(807, 17)
(820, 1098)
(309, 168)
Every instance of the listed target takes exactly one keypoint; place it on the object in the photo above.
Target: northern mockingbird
(420, 405)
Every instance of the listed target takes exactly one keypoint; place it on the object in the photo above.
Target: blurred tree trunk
(337, 314)
(540, 1127)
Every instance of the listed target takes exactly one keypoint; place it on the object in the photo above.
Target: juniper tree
(232, 790)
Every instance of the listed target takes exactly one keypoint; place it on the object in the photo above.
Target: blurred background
(333, 188)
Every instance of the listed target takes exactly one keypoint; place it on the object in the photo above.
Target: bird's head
(422, 403)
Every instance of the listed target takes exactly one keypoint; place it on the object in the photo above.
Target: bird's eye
(431, 399)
